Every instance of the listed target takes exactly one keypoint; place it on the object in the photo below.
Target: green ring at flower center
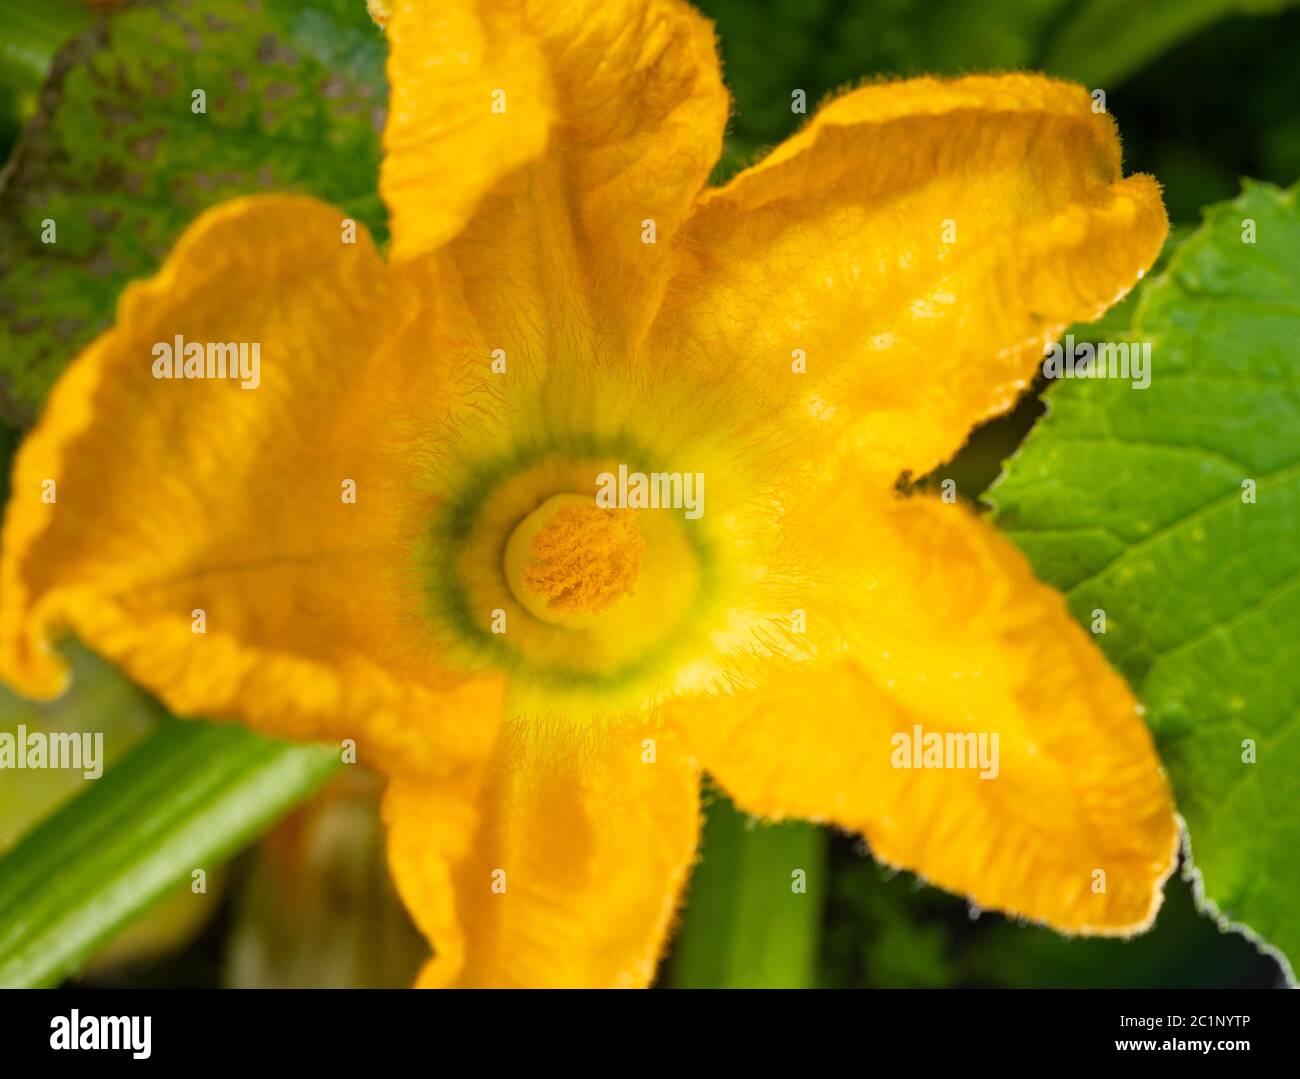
(647, 635)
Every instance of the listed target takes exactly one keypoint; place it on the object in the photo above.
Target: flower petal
(935, 620)
(444, 146)
(563, 869)
(919, 242)
(196, 532)
(599, 114)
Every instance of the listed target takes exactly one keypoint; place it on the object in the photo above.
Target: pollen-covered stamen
(569, 557)
(585, 558)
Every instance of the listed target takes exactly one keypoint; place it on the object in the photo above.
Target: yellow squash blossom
(394, 537)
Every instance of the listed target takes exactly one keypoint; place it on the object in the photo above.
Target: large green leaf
(756, 902)
(1136, 502)
(120, 162)
(182, 800)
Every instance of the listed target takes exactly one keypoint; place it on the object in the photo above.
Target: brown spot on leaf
(146, 146)
(102, 217)
(270, 50)
(67, 327)
(102, 265)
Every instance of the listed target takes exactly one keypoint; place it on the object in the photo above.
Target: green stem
(755, 905)
(184, 799)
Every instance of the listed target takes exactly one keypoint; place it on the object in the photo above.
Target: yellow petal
(930, 618)
(561, 870)
(550, 128)
(198, 532)
(913, 248)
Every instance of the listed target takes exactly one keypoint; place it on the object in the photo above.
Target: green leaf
(756, 902)
(118, 160)
(184, 799)
(1105, 41)
(1134, 502)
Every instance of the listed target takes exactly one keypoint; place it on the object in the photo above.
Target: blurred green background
(1204, 91)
